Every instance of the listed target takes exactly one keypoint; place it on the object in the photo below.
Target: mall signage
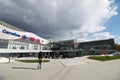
(10, 33)
(18, 35)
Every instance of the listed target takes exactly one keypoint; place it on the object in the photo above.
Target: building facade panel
(12, 38)
(101, 44)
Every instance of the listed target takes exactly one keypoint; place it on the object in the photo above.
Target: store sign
(24, 37)
(18, 35)
(10, 33)
(32, 39)
(38, 40)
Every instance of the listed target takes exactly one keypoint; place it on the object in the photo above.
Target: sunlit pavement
(62, 69)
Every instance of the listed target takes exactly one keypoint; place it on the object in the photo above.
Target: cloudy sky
(84, 20)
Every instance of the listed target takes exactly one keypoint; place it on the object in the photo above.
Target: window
(35, 47)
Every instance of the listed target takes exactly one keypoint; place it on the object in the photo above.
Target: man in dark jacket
(39, 60)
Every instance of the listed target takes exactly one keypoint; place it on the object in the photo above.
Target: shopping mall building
(20, 43)
(15, 40)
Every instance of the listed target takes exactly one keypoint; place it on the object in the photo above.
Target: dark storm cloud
(23, 15)
(58, 19)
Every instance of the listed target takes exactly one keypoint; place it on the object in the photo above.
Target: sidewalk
(62, 69)
(75, 61)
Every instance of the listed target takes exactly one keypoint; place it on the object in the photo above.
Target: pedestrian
(39, 60)
(78, 53)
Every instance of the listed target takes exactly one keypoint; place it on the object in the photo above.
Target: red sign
(32, 39)
(38, 40)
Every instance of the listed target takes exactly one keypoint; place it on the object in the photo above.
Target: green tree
(117, 47)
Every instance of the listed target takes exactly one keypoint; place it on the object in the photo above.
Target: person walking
(39, 60)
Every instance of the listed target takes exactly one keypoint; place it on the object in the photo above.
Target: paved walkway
(62, 69)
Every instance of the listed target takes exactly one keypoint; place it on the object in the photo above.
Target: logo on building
(10, 33)
(24, 37)
(32, 39)
(38, 40)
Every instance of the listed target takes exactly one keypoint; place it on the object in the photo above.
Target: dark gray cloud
(59, 19)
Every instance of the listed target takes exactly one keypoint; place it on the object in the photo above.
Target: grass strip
(32, 61)
(104, 58)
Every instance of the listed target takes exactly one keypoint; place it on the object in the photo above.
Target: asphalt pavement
(79, 68)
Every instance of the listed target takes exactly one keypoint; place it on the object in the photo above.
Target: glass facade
(100, 44)
(3, 44)
(24, 46)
